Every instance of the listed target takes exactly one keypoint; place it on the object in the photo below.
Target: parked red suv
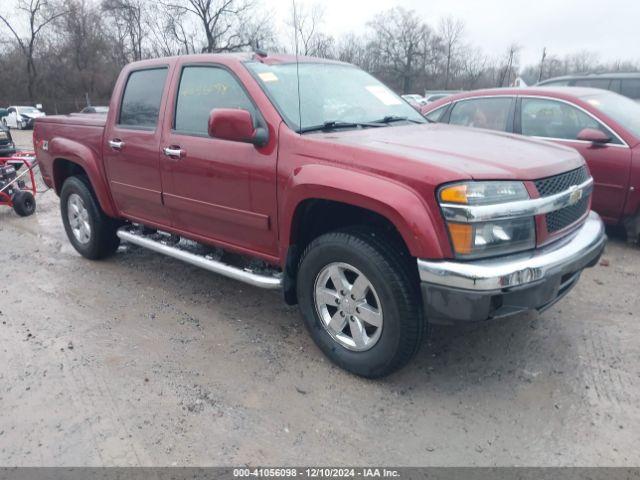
(603, 126)
(318, 180)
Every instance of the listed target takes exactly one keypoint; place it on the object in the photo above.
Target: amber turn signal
(454, 194)
(461, 237)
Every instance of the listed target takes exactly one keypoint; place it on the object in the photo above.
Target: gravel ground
(143, 360)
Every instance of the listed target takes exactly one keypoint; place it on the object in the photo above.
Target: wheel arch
(319, 199)
(72, 158)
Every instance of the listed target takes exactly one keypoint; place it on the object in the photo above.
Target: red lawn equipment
(14, 191)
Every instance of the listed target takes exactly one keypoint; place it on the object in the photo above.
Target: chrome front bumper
(505, 285)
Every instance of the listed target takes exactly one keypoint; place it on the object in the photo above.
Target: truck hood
(465, 152)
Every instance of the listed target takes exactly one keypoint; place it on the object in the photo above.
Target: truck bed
(78, 119)
(80, 129)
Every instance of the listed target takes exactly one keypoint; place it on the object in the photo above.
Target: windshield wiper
(395, 118)
(333, 125)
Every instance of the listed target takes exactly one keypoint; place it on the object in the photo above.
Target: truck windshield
(331, 96)
(622, 109)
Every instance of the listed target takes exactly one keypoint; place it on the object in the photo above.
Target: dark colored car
(627, 84)
(95, 109)
(368, 217)
(7, 147)
(603, 126)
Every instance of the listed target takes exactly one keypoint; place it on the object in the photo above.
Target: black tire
(24, 204)
(103, 240)
(390, 272)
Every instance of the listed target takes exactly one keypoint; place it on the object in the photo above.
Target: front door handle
(173, 152)
(116, 144)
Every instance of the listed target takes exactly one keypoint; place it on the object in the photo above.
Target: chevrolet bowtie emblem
(575, 196)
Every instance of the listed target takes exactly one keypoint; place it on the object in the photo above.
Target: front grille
(559, 183)
(566, 216)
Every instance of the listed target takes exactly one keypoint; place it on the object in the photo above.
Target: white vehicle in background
(415, 99)
(430, 97)
(21, 117)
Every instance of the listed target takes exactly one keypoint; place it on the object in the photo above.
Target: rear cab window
(140, 106)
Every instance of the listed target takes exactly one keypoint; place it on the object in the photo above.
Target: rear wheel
(90, 231)
(24, 204)
(360, 301)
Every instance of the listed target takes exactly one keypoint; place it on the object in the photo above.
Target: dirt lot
(143, 360)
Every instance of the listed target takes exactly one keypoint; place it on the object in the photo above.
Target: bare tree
(227, 25)
(399, 42)
(39, 14)
(83, 48)
(170, 36)
(354, 49)
(451, 31)
(474, 66)
(308, 39)
(583, 62)
(129, 21)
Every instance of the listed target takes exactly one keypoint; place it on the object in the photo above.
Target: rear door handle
(116, 144)
(173, 152)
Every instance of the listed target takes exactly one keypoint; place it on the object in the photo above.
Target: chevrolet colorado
(312, 177)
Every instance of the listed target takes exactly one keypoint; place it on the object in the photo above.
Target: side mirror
(597, 137)
(236, 125)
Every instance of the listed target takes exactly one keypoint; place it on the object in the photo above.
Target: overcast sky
(610, 28)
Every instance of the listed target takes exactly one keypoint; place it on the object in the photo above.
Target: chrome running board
(136, 236)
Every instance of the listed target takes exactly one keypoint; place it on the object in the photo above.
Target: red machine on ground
(14, 191)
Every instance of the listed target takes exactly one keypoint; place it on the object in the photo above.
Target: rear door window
(142, 98)
(490, 113)
(630, 87)
(553, 119)
(203, 88)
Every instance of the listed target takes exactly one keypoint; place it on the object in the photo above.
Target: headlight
(490, 238)
(483, 193)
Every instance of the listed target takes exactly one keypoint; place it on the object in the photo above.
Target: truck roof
(270, 59)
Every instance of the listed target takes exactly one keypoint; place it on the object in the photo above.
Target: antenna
(295, 36)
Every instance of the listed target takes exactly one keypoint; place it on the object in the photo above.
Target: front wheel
(90, 231)
(360, 301)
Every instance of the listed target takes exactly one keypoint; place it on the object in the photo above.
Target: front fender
(61, 149)
(399, 204)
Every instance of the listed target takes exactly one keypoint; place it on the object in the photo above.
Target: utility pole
(544, 56)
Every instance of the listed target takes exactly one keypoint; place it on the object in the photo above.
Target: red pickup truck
(314, 178)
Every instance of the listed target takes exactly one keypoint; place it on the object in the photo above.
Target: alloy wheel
(348, 306)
